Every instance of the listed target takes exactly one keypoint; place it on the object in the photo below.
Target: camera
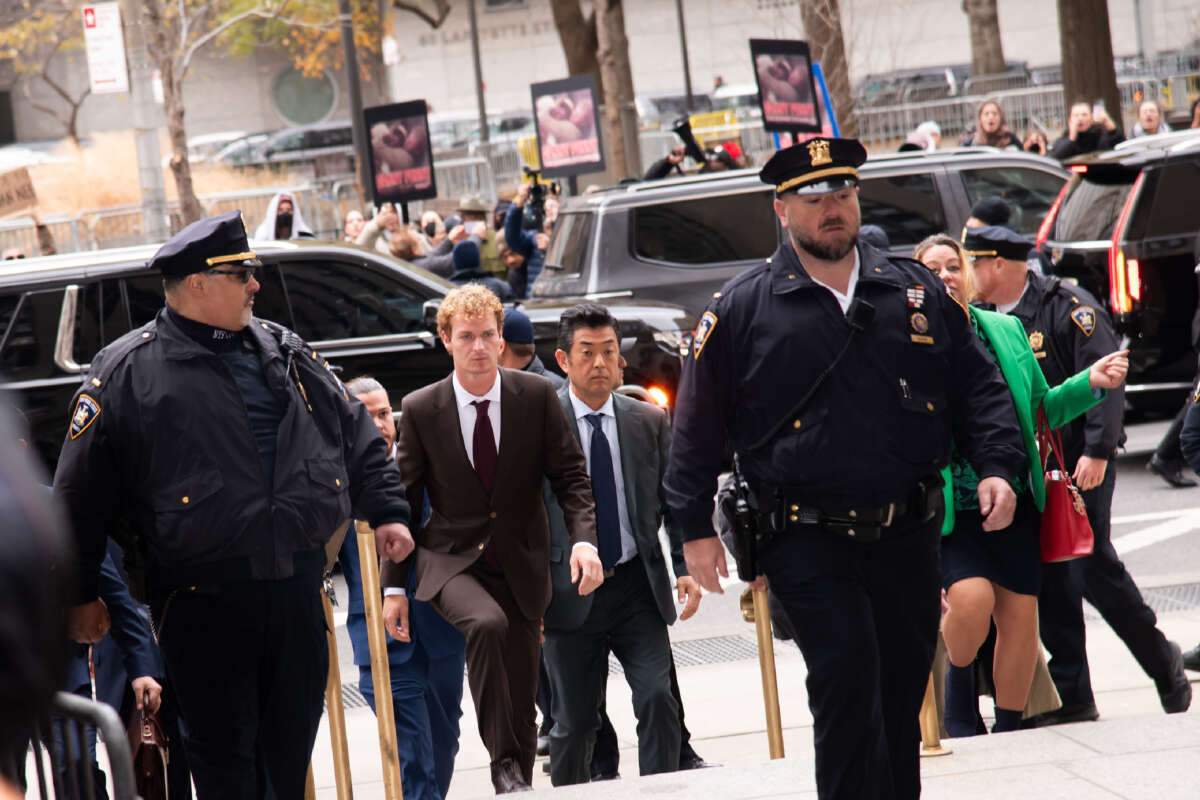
(535, 218)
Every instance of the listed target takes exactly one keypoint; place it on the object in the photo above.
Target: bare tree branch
(442, 9)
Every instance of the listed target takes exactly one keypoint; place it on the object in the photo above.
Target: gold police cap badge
(818, 152)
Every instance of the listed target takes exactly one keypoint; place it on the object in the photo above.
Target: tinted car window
(1090, 211)
(146, 297)
(709, 230)
(568, 246)
(28, 346)
(1175, 209)
(100, 317)
(336, 301)
(1029, 193)
(907, 207)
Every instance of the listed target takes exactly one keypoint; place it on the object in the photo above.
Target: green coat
(1029, 389)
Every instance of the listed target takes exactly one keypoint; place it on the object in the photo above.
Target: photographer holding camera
(524, 250)
(715, 159)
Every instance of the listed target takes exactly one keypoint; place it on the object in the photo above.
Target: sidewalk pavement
(1133, 751)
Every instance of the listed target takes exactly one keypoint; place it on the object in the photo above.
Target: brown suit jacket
(536, 443)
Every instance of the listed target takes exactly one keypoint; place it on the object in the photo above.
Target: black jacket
(882, 420)
(1068, 330)
(160, 445)
(1094, 138)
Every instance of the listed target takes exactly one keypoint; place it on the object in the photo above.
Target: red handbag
(1066, 533)
(148, 745)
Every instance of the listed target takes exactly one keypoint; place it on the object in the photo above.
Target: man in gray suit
(626, 444)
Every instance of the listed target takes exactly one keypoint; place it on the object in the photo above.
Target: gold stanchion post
(336, 710)
(931, 744)
(310, 786)
(380, 674)
(766, 663)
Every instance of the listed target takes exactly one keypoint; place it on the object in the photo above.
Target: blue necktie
(604, 490)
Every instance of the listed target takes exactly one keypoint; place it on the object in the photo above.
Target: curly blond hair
(470, 300)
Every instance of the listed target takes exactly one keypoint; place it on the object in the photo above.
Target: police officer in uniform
(1068, 330)
(841, 376)
(220, 450)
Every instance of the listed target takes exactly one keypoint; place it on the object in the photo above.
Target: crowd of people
(516, 511)
(500, 246)
(1089, 128)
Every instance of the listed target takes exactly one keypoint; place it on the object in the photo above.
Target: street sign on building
(105, 45)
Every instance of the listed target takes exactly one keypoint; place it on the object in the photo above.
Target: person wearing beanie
(989, 211)
(465, 259)
(519, 350)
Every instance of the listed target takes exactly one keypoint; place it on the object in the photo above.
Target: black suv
(679, 240)
(364, 312)
(1125, 228)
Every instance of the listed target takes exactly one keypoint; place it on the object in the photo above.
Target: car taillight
(1044, 230)
(1124, 277)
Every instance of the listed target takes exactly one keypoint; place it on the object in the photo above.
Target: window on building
(302, 99)
(706, 231)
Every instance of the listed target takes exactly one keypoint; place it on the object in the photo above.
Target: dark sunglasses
(14, 258)
(244, 274)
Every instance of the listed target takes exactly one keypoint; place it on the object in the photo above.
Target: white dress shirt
(468, 413)
(608, 423)
(843, 299)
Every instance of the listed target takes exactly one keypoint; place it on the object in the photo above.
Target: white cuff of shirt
(586, 544)
(391, 591)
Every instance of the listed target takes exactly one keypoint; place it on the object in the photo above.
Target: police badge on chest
(918, 323)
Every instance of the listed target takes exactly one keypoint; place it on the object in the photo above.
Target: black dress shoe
(543, 745)
(546, 767)
(1191, 659)
(1061, 716)
(605, 775)
(695, 762)
(1169, 471)
(507, 778)
(1177, 695)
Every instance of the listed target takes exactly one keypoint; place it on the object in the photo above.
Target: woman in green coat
(997, 574)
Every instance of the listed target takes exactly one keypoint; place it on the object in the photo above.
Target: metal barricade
(21, 232)
(505, 159)
(458, 176)
(121, 226)
(61, 761)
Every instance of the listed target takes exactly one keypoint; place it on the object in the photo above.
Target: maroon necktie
(483, 445)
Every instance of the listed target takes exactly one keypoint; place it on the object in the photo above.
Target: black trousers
(866, 620)
(1104, 582)
(624, 618)
(248, 663)
(1169, 449)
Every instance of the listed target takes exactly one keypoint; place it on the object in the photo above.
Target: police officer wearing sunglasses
(223, 453)
(841, 376)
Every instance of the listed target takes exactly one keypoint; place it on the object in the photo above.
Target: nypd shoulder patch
(85, 413)
(1084, 318)
(707, 322)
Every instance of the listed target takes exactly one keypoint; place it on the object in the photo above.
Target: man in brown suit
(480, 443)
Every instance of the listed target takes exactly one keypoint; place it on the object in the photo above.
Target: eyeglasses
(244, 274)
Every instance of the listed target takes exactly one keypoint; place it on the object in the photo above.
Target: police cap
(995, 241)
(818, 166)
(205, 244)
